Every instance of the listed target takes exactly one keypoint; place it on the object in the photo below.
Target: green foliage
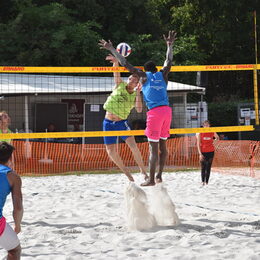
(223, 114)
(66, 33)
(48, 36)
(223, 29)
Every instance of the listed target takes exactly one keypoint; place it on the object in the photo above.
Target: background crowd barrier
(41, 158)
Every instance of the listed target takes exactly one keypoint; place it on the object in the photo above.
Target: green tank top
(6, 140)
(120, 102)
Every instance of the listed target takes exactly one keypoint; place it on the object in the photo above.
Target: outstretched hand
(171, 37)
(105, 45)
(111, 58)
(138, 87)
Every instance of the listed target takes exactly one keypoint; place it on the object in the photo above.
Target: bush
(223, 114)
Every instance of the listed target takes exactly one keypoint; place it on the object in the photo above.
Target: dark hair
(150, 66)
(206, 122)
(6, 151)
(135, 76)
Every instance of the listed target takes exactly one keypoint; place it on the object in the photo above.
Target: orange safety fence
(56, 158)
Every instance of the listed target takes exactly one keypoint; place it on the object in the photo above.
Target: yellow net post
(255, 77)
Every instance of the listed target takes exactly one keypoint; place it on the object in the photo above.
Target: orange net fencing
(34, 158)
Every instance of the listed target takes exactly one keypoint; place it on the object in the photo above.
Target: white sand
(83, 217)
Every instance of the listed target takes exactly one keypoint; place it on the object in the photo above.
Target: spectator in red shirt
(206, 152)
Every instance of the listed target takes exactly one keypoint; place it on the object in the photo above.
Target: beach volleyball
(124, 49)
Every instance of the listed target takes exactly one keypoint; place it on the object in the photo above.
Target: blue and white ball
(124, 49)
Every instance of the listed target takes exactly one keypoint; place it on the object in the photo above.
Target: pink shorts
(2, 225)
(158, 123)
(9, 239)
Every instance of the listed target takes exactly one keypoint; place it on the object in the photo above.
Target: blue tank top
(5, 187)
(155, 90)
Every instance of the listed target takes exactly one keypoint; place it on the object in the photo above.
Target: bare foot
(148, 183)
(158, 178)
(146, 177)
(130, 177)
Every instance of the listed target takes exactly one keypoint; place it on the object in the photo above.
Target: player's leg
(10, 242)
(14, 254)
(162, 159)
(153, 129)
(166, 113)
(208, 166)
(153, 161)
(130, 141)
(115, 157)
(203, 164)
(111, 148)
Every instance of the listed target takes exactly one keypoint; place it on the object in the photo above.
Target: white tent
(18, 84)
(11, 84)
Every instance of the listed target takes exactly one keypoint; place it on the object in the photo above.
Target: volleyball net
(57, 113)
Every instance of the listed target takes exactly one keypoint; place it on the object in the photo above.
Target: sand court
(83, 217)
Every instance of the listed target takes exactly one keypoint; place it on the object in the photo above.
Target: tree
(223, 34)
(48, 36)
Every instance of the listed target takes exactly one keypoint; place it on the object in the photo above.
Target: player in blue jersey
(155, 95)
(10, 182)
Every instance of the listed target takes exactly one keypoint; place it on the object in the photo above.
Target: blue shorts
(109, 125)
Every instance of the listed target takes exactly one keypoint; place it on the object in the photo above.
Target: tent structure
(13, 84)
(18, 84)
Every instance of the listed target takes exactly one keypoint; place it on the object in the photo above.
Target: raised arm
(122, 60)
(169, 53)
(138, 99)
(117, 76)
